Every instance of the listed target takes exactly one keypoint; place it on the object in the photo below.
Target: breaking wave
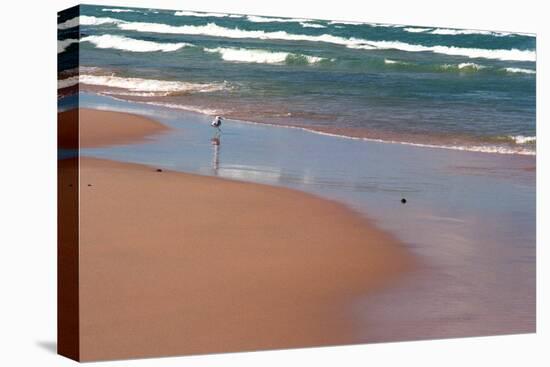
(312, 25)
(395, 62)
(465, 66)
(262, 56)
(143, 87)
(258, 19)
(520, 70)
(185, 13)
(132, 45)
(88, 20)
(63, 44)
(521, 140)
(215, 30)
(119, 10)
(416, 29)
(455, 32)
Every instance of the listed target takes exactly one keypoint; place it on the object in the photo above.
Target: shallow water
(426, 85)
(469, 217)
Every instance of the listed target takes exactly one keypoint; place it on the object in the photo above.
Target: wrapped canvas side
(68, 190)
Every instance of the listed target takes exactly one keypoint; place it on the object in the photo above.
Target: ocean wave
(132, 45)
(67, 82)
(259, 19)
(465, 66)
(149, 87)
(73, 22)
(63, 44)
(262, 56)
(185, 13)
(212, 29)
(215, 30)
(520, 70)
(416, 29)
(521, 139)
(461, 67)
(88, 20)
(344, 22)
(455, 32)
(499, 54)
(395, 62)
(119, 10)
(385, 25)
(312, 25)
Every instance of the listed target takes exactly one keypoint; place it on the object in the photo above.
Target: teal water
(461, 89)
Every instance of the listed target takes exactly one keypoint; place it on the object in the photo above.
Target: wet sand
(103, 128)
(174, 263)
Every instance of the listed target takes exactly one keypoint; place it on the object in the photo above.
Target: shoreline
(238, 265)
(466, 145)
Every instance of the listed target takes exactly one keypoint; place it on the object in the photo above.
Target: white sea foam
(520, 139)
(215, 30)
(396, 62)
(311, 25)
(184, 13)
(465, 66)
(344, 22)
(149, 87)
(499, 54)
(416, 29)
(73, 22)
(63, 44)
(88, 20)
(212, 29)
(520, 70)
(119, 10)
(91, 20)
(133, 45)
(365, 46)
(454, 32)
(470, 65)
(258, 19)
(67, 82)
(259, 56)
(385, 25)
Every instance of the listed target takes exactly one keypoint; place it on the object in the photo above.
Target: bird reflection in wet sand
(215, 141)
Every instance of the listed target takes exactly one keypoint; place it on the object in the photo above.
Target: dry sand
(174, 263)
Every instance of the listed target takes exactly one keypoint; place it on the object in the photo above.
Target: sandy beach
(103, 128)
(174, 263)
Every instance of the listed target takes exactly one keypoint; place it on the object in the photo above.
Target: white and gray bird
(217, 122)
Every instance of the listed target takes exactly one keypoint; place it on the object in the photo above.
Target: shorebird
(217, 123)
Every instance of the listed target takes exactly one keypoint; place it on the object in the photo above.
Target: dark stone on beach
(403, 201)
(159, 170)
